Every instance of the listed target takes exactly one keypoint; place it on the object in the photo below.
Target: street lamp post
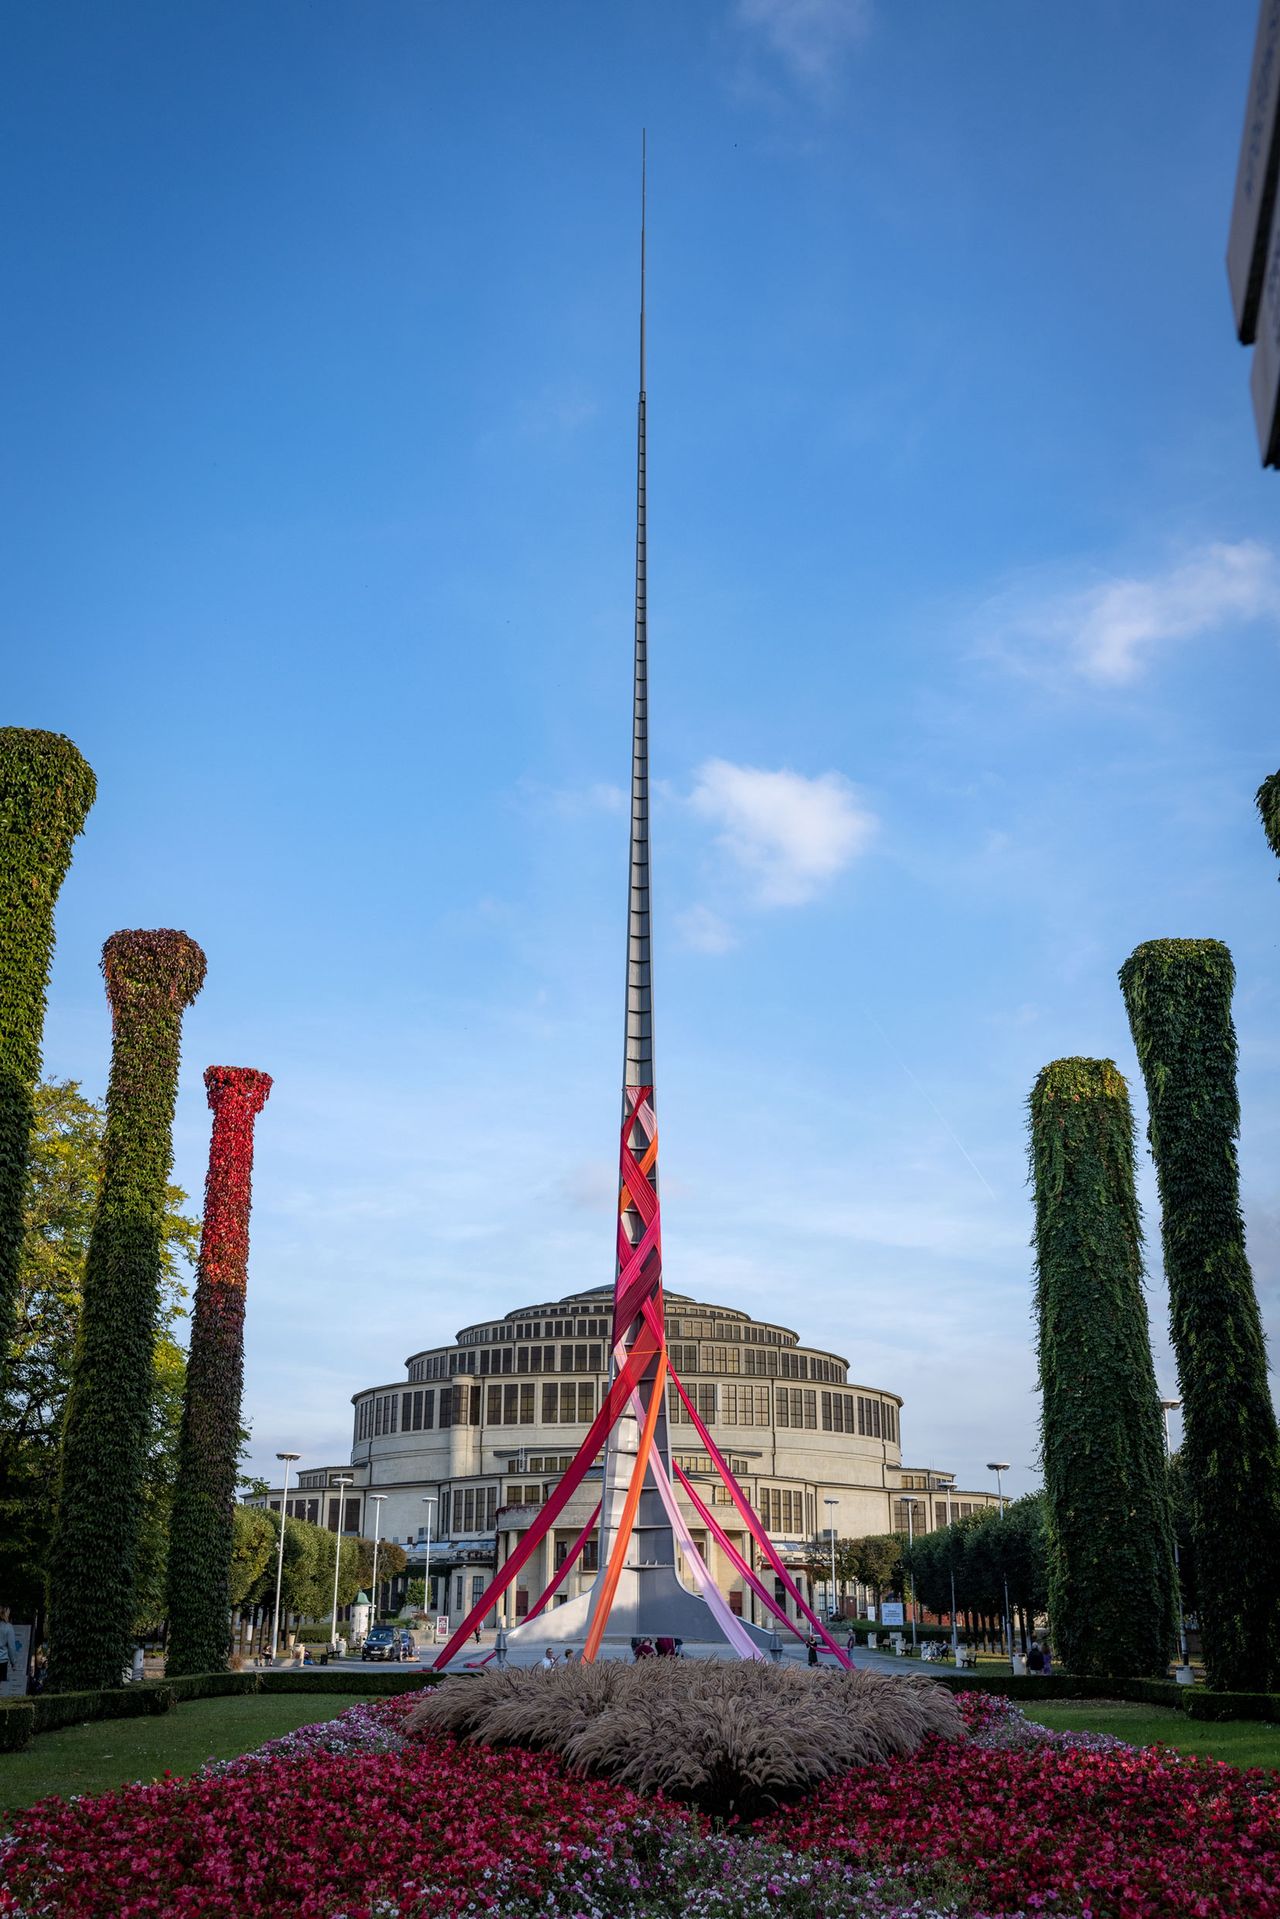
(999, 1467)
(377, 1499)
(829, 1503)
(911, 1503)
(343, 1479)
(951, 1562)
(430, 1505)
(1183, 1675)
(288, 1459)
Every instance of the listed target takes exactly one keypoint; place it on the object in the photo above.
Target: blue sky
(964, 591)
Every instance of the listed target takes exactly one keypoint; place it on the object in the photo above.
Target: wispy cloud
(705, 931)
(1112, 631)
(788, 834)
(810, 37)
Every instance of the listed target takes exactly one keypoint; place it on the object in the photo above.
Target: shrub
(56, 1709)
(17, 1724)
(1110, 1559)
(151, 978)
(209, 1447)
(1178, 996)
(46, 790)
(734, 1738)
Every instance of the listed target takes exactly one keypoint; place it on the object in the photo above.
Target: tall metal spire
(638, 1062)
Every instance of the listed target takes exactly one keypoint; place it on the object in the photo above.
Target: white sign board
(892, 1614)
(442, 1627)
(1256, 175)
(15, 1681)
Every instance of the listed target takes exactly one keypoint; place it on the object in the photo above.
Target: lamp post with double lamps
(430, 1505)
(377, 1499)
(1183, 1674)
(342, 1481)
(999, 1467)
(830, 1505)
(288, 1459)
(910, 1502)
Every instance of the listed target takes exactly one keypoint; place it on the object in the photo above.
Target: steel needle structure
(638, 1590)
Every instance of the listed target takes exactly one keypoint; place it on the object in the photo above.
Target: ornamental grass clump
(46, 790)
(151, 976)
(731, 1738)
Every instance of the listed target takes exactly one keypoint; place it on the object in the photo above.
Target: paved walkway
(530, 1655)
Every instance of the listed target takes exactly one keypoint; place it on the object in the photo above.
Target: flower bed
(352, 1819)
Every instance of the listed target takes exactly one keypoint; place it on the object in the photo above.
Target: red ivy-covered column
(204, 1495)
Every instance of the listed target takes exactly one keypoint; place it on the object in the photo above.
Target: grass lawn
(107, 1752)
(1242, 1742)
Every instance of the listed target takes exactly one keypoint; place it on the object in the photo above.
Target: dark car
(383, 1642)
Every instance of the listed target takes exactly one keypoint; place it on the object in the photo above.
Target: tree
(204, 1495)
(877, 1562)
(46, 790)
(254, 1533)
(1178, 997)
(415, 1595)
(1110, 1541)
(1267, 799)
(63, 1176)
(151, 978)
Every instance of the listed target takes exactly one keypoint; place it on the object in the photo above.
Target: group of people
(660, 1648)
(549, 1660)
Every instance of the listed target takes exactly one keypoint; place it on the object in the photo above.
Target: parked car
(381, 1642)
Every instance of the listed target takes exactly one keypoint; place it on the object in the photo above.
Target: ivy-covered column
(204, 1496)
(1178, 995)
(46, 790)
(1111, 1579)
(151, 978)
(1267, 799)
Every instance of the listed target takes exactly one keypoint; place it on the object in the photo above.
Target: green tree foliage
(151, 978)
(254, 1533)
(983, 1550)
(1178, 996)
(63, 1175)
(876, 1561)
(46, 790)
(1110, 1540)
(1268, 803)
(204, 1496)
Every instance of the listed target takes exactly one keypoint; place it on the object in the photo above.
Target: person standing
(812, 1645)
(548, 1660)
(8, 1646)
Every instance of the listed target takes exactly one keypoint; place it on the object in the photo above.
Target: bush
(735, 1739)
(56, 1709)
(320, 1679)
(17, 1724)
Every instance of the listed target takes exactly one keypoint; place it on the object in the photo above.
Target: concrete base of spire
(650, 1603)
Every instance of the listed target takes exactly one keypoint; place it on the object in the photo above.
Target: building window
(744, 1405)
(796, 1406)
(684, 1359)
(838, 1413)
(550, 1405)
(762, 1364)
(782, 1510)
(868, 1417)
(703, 1397)
(721, 1359)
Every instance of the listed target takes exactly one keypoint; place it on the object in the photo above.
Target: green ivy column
(1178, 995)
(151, 978)
(1111, 1580)
(46, 790)
(1267, 799)
(201, 1532)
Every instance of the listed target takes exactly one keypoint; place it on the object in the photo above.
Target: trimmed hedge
(49, 1711)
(17, 1724)
(151, 978)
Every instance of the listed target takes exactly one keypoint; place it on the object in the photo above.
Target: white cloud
(810, 37)
(789, 834)
(1111, 632)
(705, 931)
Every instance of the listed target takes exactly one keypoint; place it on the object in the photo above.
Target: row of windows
(764, 1364)
(584, 1358)
(512, 1329)
(782, 1511)
(569, 1404)
(475, 1509)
